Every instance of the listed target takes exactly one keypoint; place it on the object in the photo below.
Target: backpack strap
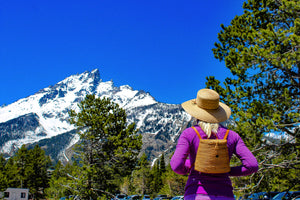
(225, 137)
(197, 132)
(226, 134)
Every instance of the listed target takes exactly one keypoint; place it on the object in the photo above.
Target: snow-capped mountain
(43, 117)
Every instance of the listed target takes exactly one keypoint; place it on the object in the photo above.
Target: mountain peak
(50, 106)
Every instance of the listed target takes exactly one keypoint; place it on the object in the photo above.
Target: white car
(178, 198)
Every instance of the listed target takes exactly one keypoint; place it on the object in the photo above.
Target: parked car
(120, 197)
(244, 197)
(146, 197)
(162, 197)
(289, 195)
(262, 195)
(134, 197)
(178, 198)
(270, 195)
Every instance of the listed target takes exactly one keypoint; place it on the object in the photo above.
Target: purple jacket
(211, 184)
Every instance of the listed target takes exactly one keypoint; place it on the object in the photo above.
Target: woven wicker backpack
(212, 155)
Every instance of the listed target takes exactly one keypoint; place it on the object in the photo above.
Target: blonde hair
(208, 127)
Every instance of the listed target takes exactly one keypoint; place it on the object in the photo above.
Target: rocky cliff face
(42, 118)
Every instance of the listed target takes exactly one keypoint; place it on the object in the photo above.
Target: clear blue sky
(163, 47)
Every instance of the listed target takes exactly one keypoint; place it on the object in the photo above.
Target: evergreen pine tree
(11, 171)
(3, 178)
(61, 182)
(21, 162)
(36, 172)
(261, 49)
(109, 145)
(162, 164)
(143, 161)
(141, 177)
(157, 178)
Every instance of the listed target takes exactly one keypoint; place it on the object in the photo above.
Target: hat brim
(218, 115)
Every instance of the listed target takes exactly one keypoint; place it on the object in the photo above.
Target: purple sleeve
(249, 162)
(179, 162)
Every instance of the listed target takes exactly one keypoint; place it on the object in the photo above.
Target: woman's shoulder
(190, 131)
(232, 134)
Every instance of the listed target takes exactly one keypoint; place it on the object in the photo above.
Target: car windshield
(286, 195)
(279, 196)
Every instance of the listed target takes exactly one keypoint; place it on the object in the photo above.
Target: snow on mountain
(49, 108)
(53, 103)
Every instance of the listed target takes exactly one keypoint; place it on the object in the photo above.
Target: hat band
(207, 104)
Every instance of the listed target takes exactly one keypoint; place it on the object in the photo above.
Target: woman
(209, 112)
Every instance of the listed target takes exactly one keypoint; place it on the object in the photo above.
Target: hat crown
(208, 99)
(207, 107)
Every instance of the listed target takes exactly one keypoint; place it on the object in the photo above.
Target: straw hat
(207, 107)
